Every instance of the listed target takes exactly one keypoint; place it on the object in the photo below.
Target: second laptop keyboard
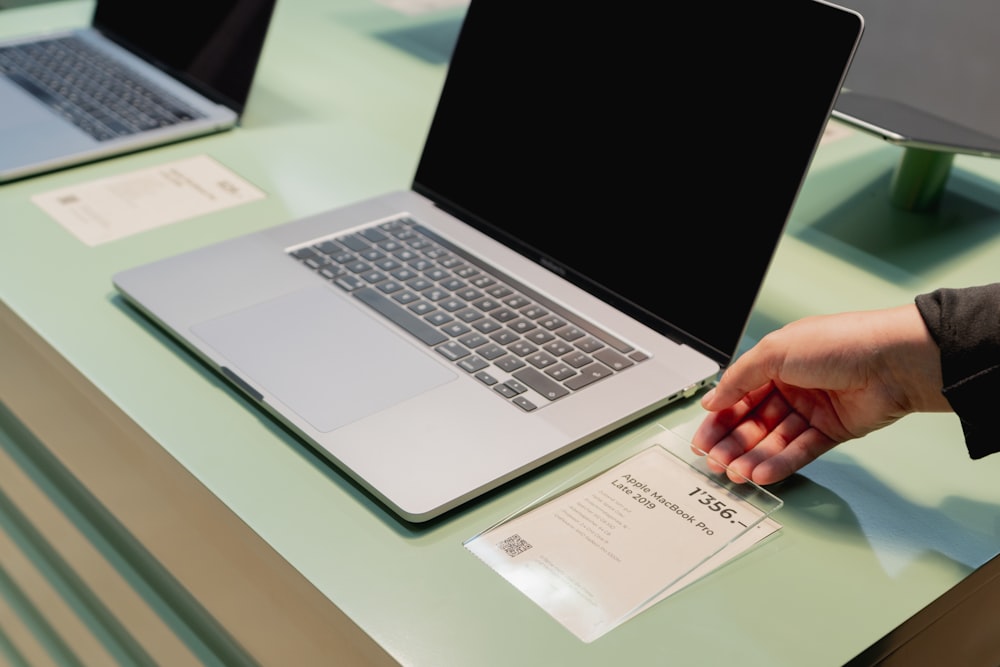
(526, 348)
(100, 96)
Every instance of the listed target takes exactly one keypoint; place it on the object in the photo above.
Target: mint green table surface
(872, 532)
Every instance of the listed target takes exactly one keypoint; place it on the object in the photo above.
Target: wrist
(914, 360)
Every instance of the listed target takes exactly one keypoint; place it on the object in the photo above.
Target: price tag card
(597, 552)
(111, 208)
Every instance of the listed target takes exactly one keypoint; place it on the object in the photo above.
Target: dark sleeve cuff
(965, 323)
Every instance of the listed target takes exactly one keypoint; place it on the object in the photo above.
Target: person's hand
(815, 383)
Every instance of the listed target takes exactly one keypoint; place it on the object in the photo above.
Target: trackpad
(331, 363)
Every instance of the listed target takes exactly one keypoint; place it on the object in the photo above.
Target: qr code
(514, 545)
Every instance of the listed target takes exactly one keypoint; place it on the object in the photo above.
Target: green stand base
(919, 180)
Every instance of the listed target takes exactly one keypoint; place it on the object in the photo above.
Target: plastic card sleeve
(639, 524)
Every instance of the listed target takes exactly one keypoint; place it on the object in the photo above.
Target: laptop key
(523, 403)
(473, 364)
(425, 332)
(589, 374)
(486, 378)
(613, 359)
(540, 382)
(453, 351)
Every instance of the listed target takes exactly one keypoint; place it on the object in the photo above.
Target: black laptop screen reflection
(208, 54)
(635, 164)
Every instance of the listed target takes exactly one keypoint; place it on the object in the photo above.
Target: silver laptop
(141, 75)
(590, 222)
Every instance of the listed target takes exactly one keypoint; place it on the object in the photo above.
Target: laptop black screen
(656, 150)
(212, 45)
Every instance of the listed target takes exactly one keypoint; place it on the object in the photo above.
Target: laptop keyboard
(523, 347)
(97, 94)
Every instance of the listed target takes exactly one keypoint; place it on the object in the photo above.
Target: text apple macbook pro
(142, 74)
(590, 222)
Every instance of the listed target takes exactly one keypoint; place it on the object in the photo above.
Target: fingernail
(707, 398)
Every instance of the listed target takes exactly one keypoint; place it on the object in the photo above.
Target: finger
(768, 413)
(750, 371)
(772, 436)
(717, 425)
(797, 453)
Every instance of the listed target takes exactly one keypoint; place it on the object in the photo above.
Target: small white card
(835, 130)
(415, 7)
(112, 208)
(601, 552)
